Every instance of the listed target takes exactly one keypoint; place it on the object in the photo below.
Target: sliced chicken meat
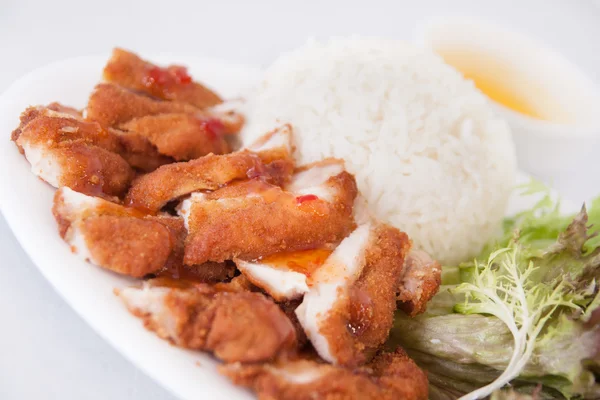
(169, 83)
(252, 219)
(154, 190)
(66, 151)
(235, 326)
(56, 123)
(112, 105)
(52, 109)
(117, 238)
(181, 136)
(389, 376)
(348, 311)
(287, 275)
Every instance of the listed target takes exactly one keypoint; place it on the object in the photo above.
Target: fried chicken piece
(169, 83)
(153, 191)
(139, 152)
(85, 168)
(111, 105)
(181, 136)
(121, 239)
(170, 182)
(65, 151)
(53, 109)
(348, 312)
(389, 376)
(252, 219)
(45, 126)
(128, 246)
(235, 326)
(420, 281)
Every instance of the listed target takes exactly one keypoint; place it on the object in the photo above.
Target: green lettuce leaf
(464, 352)
(466, 339)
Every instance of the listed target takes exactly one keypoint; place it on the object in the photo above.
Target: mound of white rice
(428, 153)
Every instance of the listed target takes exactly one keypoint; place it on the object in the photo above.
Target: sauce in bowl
(518, 73)
(550, 104)
(494, 78)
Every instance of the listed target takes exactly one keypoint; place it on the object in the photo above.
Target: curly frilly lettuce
(527, 312)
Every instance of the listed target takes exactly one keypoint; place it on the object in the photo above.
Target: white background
(46, 350)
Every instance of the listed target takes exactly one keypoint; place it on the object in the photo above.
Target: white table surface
(47, 351)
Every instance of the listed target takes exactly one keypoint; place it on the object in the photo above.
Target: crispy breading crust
(420, 281)
(65, 215)
(128, 246)
(121, 239)
(92, 170)
(111, 105)
(169, 182)
(127, 69)
(230, 224)
(31, 113)
(361, 320)
(84, 154)
(389, 376)
(181, 136)
(46, 127)
(235, 326)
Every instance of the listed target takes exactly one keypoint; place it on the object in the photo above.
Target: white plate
(26, 204)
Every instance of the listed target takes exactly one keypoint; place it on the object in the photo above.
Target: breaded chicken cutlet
(234, 325)
(154, 190)
(348, 299)
(389, 376)
(168, 83)
(272, 220)
(181, 136)
(64, 150)
(112, 105)
(120, 239)
(141, 124)
(348, 312)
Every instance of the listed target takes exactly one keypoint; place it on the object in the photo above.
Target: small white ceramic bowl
(572, 100)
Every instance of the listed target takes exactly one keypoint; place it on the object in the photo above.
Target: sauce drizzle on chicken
(304, 261)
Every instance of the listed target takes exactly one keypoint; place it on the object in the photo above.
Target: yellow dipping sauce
(497, 80)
